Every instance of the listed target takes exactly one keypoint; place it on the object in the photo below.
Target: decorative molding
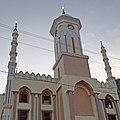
(33, 76)
(7, 106)
(105, 85)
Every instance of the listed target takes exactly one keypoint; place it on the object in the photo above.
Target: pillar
(70, 94)
(98, 106)
(54, 104)
(103, 102)
(14, 105)
(32, 106)
(39, 107)
(117, 109)
(102, 110)
(36, 107)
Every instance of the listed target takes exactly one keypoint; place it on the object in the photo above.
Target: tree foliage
(118, 86)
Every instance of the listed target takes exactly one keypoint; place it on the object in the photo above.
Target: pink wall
(82, 102)
(60, 105)
(72, 65)
(76, 66)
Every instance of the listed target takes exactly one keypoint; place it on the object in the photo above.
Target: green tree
(118, 86)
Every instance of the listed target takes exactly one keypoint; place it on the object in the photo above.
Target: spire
(106, 61)
(15, 29)
(63, 10)
(101, 44)
(13, 53)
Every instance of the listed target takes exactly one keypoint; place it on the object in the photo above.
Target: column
(117, 109)
(59, 44)
(80, 45)
(32, 106)
(98, 106)
(70, 94)
(14, 105)
(36, 107)
(39, 107)
(54, 104)
(66, 43)
(103, 101)
(102, 110)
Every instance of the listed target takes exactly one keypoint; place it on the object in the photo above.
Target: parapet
(104, 85)
(33, 76)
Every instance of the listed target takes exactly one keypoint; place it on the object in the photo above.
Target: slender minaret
(11, 75)
(12, 64)
(110, 78)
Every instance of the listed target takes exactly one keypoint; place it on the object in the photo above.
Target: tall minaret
(12, 64)
(69, 58)
(11, 75)
(110, 78)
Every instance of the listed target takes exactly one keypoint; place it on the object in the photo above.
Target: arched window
(46, 97)
(23, 96)
(108, 102)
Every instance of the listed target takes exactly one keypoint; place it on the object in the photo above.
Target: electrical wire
(44, 38)
(28, 44)
(102, 64)
(26, 33)
(89, 51)
(37, 36)
(53, 51)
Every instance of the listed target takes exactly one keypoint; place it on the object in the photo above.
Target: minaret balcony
(12, 64)
(13, 53)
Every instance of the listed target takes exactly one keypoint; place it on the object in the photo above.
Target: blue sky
(99, 19)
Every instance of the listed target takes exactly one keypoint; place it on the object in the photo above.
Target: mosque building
(72, 94)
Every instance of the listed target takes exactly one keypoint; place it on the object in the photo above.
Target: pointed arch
(84, 84)
(110, 97)
(46, 96)
(24, 94)
(109, 101)
(82, 101)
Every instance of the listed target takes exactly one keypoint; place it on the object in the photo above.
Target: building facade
(72, 94)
